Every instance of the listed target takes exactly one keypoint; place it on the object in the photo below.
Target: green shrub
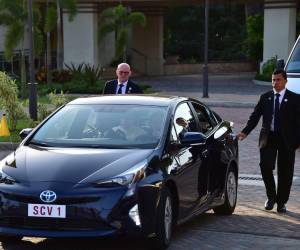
(61, 76)
(43, 111)
(86, 73)
(267, 70)
(9, 100)
(78, 86)
(57, 100)
(255, 35)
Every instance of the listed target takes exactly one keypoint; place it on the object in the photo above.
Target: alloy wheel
(168, 218)
(231, 189)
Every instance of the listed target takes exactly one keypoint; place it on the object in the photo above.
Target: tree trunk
(60, 56)
(48, 55)
(23, 73)
(49, 60)
(125, 55)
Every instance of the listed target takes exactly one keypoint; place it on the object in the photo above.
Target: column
(279, 28)
(80, 36)
(147, 45)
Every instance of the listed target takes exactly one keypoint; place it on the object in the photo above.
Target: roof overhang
(167, 3)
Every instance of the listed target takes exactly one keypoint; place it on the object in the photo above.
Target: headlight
(7, 161)
(6, 179)
(130, 176)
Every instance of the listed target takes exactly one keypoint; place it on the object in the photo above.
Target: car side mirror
(26, 131)
(280, 64)
(193, 138)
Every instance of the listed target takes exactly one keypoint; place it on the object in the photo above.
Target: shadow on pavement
(268, 225)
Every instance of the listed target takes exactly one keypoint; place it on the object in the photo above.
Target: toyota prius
(119, 165)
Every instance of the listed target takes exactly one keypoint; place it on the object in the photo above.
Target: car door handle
(205, 153)
(223, 142)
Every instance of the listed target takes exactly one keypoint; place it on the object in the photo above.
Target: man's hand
(241, 136)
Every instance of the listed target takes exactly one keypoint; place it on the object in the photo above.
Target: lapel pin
(285, 100)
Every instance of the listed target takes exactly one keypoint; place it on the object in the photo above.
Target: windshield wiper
(42, 144)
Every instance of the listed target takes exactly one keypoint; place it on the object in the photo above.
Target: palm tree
(119, 19)
(53, 19)
(13, 15)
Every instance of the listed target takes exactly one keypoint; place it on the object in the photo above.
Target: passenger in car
(184, 124)
(127, 130)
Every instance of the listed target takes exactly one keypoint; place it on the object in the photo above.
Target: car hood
(74, 165)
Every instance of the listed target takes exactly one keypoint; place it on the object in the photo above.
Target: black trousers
(276, 148)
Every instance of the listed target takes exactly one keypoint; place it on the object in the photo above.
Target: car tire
(10, 238)
(230, 194)
(164, 223)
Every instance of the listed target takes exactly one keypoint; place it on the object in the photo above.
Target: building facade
(81, 44)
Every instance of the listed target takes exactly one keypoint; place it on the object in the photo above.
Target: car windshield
(293, 65)
(103, 126)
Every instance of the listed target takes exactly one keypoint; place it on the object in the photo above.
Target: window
(112, 126)
(293, 65)
(206, 121)
(184, 120)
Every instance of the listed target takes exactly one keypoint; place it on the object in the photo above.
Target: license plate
(45, 210)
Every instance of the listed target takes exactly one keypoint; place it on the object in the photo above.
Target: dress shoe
(281, 208)
(269, 204)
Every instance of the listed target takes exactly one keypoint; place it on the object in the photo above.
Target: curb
(229, 104)
(262, 83)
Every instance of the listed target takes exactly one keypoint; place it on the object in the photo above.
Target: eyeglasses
(124, 72)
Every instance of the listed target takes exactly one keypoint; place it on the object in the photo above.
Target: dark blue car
(112, 165)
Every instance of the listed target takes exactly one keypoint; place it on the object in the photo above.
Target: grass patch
(14, 135)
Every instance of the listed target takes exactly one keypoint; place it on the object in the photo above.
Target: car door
(188, 160)
(216, 157)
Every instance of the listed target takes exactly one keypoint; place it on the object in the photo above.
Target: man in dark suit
(122, 85)
(279, 137)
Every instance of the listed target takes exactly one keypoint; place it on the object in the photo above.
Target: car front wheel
(230, 194)
(164, 224)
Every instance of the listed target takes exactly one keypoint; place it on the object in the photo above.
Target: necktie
(120, 88)
(276, 113)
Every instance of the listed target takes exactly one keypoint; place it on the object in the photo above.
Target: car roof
(129, 99)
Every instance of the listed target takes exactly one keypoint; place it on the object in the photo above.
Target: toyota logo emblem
(48, 196)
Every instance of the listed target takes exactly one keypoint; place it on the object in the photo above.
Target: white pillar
(279, 28)
(80, 38)
(147, 44)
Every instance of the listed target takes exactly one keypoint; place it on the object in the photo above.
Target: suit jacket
(289, 119)
(131, 88)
